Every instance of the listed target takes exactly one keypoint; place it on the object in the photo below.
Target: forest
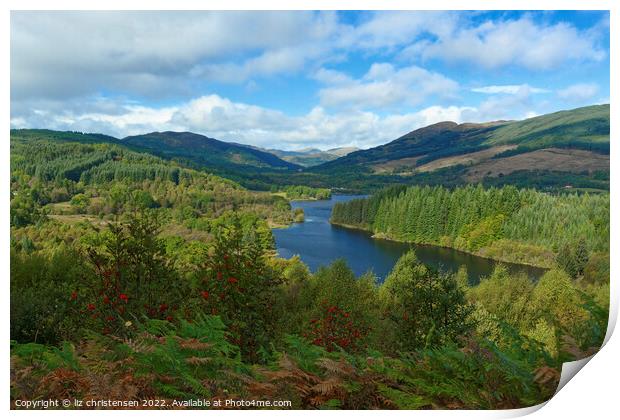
(121, 313)
(137, 278)
(506, 223)
(75, 182)
(301, 192)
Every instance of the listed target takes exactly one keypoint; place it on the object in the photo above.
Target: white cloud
(580, 92)
(79, 70)
(149, 54)
(508, 89)
(65, 54)
(505, 107)
(391, 29)
(384, 86)
(522, 42)
(226, 120)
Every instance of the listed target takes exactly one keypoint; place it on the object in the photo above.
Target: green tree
(80, 203)
(424, 307)
(556, 300)
(581, 256)
(333, 291)
(134, 276)
(25, 210)
(503, 295)
(239, 285)
(566, 260)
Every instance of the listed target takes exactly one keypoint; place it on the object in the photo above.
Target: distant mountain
(205, 151)
(342, 151)
(566, 148)
(574, 141)
(252, 168)
(311, 156)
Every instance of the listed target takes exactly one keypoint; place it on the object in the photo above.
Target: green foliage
(80, 202)
(186, 354)
(301, 192)
(596, 270)
(505, 296)
(298, 215)
(46, 164)
(41, 287)
(524, 327)
(334, 290)
(423, 307)
(509, 224)
(557, 300)
(25, 210)
(238, 285)
(547, 312)
(133, 277)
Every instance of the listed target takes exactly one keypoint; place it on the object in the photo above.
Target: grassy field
(78, 218)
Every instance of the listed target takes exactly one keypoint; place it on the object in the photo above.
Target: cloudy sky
(298, 79)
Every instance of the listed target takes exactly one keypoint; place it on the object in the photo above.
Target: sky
(297, 79)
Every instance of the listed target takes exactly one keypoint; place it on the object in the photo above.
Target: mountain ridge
(584, 128)
(526, 153)
(191, 144)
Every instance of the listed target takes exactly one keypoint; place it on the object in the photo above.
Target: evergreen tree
(581, 257)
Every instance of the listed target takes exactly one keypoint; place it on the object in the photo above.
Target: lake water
(318, 243)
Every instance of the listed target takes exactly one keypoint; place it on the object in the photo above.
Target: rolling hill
(312, 157)
(243, 164)
(573, 142)
(205, 151)
(549, 151)
(309, 156)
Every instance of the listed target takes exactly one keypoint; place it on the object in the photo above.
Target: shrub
(80, 203)
(238, 285)
(336, 328)
(41, 286)
(504, 296)
(336, 286)
(134, 278)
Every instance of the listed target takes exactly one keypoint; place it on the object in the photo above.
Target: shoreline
(384, 237)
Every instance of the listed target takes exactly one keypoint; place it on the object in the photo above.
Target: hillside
(252, 168)
(478, 152)
(567, 148)
(310, 156)
(73, 177)
(205, 151)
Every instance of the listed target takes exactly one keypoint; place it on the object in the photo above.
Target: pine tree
(581, 256)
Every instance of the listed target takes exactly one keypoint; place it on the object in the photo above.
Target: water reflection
(318, 243)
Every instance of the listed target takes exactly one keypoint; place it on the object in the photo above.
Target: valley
(160, 238)
(308, 209)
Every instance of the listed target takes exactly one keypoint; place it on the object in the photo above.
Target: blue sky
(301, 79)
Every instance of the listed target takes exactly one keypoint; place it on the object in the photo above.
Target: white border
(592, 393)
